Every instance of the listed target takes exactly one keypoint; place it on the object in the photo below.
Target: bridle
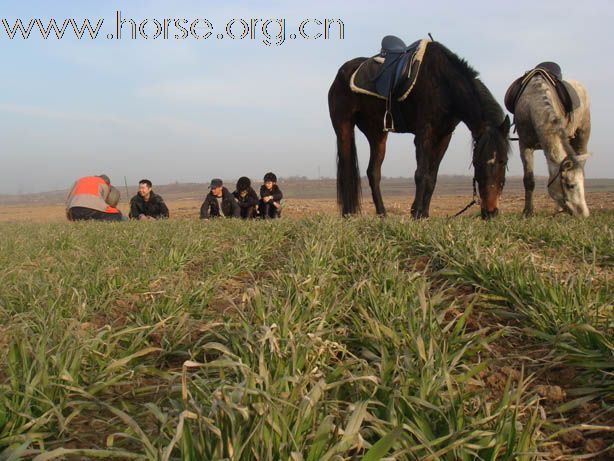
(557, 175)
(475, 200)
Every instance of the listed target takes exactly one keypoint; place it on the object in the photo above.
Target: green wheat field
(308, 339)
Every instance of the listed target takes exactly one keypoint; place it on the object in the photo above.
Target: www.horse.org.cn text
(268, 31)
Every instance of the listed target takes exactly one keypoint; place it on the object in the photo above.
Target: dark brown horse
(447, 91)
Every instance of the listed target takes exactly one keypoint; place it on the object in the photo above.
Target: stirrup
(386, 127)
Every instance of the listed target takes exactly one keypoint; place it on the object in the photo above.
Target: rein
(558, 174)
(475, 200)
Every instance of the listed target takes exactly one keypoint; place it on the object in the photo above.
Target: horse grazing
(446, 92)
(542, 123)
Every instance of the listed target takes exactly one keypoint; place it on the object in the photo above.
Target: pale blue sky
(189, 110)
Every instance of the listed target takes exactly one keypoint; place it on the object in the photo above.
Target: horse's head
(490, 151)
(566, 185)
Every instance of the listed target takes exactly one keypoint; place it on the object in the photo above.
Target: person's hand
(142, 216)
(276, 205)
(267, 199)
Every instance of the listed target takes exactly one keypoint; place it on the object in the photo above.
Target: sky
(191, 109)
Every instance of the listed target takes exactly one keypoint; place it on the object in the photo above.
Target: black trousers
(268, 210)
(248, 212)
(78, 213)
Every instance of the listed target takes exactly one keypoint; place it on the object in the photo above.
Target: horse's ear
(567, 164)
(505, 125)
(582, 158)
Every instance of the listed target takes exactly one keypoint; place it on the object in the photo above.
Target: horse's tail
(348, 176)
(341, 106)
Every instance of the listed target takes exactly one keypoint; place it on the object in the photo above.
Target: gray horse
(542, 123)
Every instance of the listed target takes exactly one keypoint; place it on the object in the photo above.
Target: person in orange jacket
(93, 198)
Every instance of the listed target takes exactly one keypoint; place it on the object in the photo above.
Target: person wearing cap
(146, 204)
(93, 198)
(246, 198)
(219, 202)
(270, 198)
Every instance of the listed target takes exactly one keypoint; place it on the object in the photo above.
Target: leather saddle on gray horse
(551, 72)
(391, 76)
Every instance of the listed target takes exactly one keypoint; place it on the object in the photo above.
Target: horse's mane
(491, 110)
(491, 140)
(490, 107)
(545, 103)
(488, 110)
(552, 116)
(459, 63)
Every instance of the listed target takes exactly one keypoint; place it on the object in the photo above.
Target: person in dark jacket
(147, 204)
(246, 198)
(219, 202)
(270, 198)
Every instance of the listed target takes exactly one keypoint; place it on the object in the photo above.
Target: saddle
(390, 75)
(551, 72)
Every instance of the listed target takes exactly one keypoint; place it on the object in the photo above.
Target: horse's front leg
(526, 155)
(429, 153)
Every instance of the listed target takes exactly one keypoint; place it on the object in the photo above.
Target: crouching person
(246, 197)
(270, 198)
(93, 198)
(147, 204)
(219, 202)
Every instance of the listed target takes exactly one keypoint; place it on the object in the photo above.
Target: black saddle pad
(372, 79)
(565, 92)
